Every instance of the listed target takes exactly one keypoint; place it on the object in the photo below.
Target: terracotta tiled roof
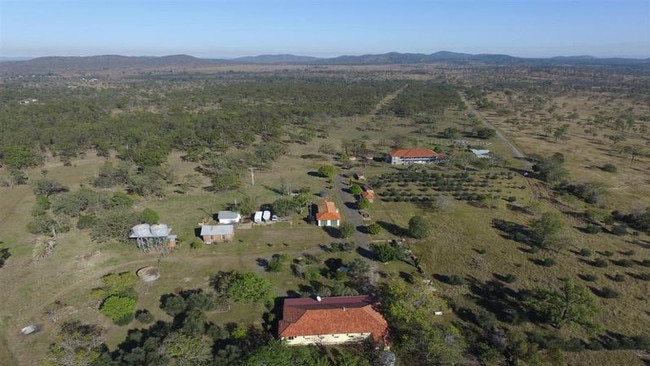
(331, 315)
(414, 153)
(368, 194)
(327, 211)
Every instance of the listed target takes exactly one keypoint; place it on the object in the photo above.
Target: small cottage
(327, 214)
(217, 233)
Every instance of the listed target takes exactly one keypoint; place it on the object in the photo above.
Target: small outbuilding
(257, 217)
(481, 154)
(217, 233)
(228, 217)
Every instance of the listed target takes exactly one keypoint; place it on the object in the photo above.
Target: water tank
(266, 215)
(159, 230)
(141, 230)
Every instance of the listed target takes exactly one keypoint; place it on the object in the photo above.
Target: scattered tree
(346, 230)
(419, 227)
(77, 344)
(327, 171)
(572, 304)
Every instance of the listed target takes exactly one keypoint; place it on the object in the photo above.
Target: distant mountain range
(110, 62)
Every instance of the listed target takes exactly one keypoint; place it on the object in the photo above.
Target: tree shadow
(313, 173)
(366, 253)
(332, 232)
(392, 228)
(363, 229)
(513, 231)
(505, 303)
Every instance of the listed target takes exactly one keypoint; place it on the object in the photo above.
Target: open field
(469, 238)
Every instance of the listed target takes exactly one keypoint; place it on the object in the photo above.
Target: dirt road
(515, 151)
(352, 216)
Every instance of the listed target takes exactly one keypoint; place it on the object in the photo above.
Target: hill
(44, 65)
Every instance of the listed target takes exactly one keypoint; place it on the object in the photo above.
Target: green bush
(85, 222)
(144, 316)
(592, 229)
(456, 280)
(374, 229)
(196, 244)
(511, 199)
(119, 309)
(599, 262)
(509, 278)
(149, 216)
(585, 252)
(385, 252)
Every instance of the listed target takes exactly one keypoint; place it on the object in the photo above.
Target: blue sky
(230, 28)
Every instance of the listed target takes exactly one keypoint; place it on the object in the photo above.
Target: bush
(607, 253)
(589, 277)
(601, 263)
(511, 199)
(119, 309)
(509, 278)
(624, 263)
(592, 229)
(85, 222)
(149, 216)
(618, 277)
(374, 229)
(385, 252)
(456, 280)
(642, 276)
(196, 244)
(619, 230)
(607, 293)
(548, 262)
(645, 263)
(173, 305)
(585, 252)
(611, 168)
(144, 316)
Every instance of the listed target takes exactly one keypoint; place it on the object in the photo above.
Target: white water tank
(141, 231)
(159, 230)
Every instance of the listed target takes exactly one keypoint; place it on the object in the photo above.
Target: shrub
(85, 222)
(645, 263)
(196, 244)
(144, 316)
(173, 305)
(601, 263)
(642, 276)
(592, 229)
(509, 278)
(624, 263)
(374, 229)
(607, 293)
(511, 199)
(456, 280)
(610, 168)
(618, 277)
(607, 253)
(385, 252)
(119, 309)
(547, 262)
(149, 216)
(619, 230)
(589, 277)
(585, 252)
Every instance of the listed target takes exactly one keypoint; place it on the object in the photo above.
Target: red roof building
(327, 214)
(414, 156)
(331, 320)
